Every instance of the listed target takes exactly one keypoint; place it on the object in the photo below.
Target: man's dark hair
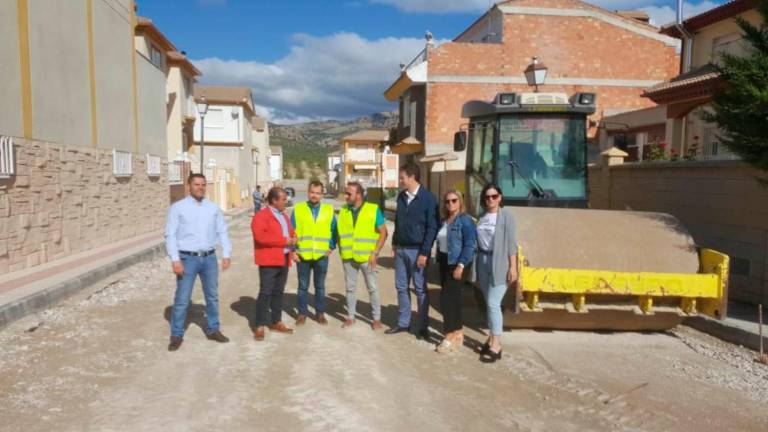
(411, 170)
(194, 176)
(274, 194)
(315, 183)
(358, 187)
(258, 187)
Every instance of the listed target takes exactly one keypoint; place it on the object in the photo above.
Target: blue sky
(314, 59)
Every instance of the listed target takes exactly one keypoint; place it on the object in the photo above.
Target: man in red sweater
(273, 241)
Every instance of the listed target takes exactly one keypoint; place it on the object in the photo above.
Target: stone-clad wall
(65, 199)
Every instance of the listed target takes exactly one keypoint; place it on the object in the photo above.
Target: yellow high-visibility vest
(314, 235)
(358, 240)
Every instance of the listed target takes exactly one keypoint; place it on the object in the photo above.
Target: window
(729, 44)
(174, 173)
(412, 120)
(7, 162)
(542, 154)
(153, 165)
(121, 163)
(155, 56)
(713, 148)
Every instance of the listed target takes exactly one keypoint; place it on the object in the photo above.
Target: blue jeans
(208, 269)
(406, 271)
(493, 294)
(304, 269)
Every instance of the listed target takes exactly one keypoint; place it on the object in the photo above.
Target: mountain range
(312, 141)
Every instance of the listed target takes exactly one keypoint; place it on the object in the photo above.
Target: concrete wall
(58, 48)
(10, 71)
(261, 144)
(720, 202)
(64, 199)
(152, 109)
(112, 35)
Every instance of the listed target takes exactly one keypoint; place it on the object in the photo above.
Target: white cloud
(337, 76)
(660, 10)
(661, 15)
(437, 6)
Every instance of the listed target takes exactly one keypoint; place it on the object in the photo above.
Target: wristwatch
(460, 265)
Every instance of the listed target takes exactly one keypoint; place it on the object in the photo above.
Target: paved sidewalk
(39, 287)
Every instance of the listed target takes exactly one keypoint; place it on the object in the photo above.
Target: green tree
(740, 106)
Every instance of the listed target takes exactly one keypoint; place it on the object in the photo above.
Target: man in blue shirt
(194, 226)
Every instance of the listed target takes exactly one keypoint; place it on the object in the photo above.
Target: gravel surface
(98, 361)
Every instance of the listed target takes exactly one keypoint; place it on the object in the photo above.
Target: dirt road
(99, 362)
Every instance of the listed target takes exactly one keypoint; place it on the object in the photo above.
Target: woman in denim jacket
(456, 245)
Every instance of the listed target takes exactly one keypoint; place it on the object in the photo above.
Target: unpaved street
(99, 362)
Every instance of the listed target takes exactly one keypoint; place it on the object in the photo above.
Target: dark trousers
(450, 295)
(269, 304)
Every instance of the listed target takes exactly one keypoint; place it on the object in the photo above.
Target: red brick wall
(577, 47)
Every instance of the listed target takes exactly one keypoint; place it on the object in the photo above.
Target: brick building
(587, 49)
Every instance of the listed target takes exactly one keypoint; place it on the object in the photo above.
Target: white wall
(221, 126)
(276, 167)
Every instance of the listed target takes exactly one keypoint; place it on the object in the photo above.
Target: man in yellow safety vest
(362, 233)
(315, 226)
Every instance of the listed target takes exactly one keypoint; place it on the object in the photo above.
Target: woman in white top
(496, 263)
(456, 244)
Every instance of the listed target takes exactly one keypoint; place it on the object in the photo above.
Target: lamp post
(535, 74)
(202, 109)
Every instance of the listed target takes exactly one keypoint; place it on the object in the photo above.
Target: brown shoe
(377, 325)
(258, 334)
(279, 327)
(301, 319)
(175, 343)
(321, 319)
(218, 337)
(348, 323)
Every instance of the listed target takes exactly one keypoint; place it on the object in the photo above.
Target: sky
(326, 59)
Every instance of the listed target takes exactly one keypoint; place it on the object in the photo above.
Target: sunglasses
(492, 197)
(451, 201)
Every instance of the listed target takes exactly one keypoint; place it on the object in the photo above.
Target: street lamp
(535, 74)
(202, 109)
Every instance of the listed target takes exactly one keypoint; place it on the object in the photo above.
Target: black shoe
(218, 337)
(424, 334)
(490, 356)
(175, 343)
(485, 348)
(395, 330)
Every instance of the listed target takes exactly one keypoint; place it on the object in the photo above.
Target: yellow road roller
(580, 268)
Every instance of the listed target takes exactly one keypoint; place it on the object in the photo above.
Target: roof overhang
(414, 75)
(176, 58)
(409, 145)
(146, 26)
(701, 87)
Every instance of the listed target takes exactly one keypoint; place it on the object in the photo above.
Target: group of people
(484, 253)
